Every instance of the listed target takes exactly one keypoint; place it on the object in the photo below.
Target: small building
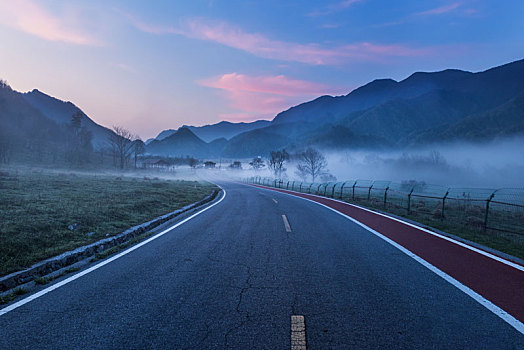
(157, 164)
(236, 165)
(209, 165)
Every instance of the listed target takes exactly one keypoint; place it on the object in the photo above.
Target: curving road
(233, 277)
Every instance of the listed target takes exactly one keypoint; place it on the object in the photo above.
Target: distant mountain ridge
(223, 129)
(424, 108)
(181, 143)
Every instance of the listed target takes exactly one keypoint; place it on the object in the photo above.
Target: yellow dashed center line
(298, 333)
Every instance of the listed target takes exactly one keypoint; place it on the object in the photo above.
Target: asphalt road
(232, 277)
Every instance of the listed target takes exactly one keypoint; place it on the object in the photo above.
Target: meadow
(44, 213)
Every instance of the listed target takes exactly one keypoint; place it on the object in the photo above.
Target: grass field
(37, 208)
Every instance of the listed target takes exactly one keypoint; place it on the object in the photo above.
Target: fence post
(487, 210)
(369, 191)
(318, 188)
(443, 203)
(409, 199)
(342, 189)
(386, 196)
(309, 189)
(354, 184)
(333, 190)
(300, 188)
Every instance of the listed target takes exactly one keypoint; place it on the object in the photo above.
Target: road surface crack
(244, 315)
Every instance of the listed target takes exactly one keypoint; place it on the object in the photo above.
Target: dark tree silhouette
(277, 159)
(78, 142)
(139, 148)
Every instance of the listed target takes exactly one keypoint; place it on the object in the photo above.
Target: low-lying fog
(491, 165)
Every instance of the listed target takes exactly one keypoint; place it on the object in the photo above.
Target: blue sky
(154, 65)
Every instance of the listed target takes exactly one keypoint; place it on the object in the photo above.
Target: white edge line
(512, 321)
(286, 223)
(105, 262)
(449, 239)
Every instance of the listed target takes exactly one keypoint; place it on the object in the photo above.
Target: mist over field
(495, 164)
(488, 165)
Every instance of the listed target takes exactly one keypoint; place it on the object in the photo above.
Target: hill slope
(61, 112)
(25, 133)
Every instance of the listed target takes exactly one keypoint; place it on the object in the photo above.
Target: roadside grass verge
(7, 298)
(37, 209)
(120, 247)
(47, 279)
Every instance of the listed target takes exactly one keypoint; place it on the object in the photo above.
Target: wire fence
(475, 208)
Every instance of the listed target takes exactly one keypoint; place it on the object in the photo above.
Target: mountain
(255, 143)
(164, 133)
(506, 120)
(330, 109)
(180, 144)
(425, 108)
(396, 119)
(222, 129)
(336, 137)
(225, 129)
(450, 104)
(61, 112)
(25, 133)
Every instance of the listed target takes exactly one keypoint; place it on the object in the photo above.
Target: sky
(154, 65)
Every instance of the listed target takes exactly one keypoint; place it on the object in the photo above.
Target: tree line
(310, 164)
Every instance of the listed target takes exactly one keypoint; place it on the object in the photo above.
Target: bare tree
(277, 159)
(139, 148)
(257, 163)
(121, 145)
(312, 163)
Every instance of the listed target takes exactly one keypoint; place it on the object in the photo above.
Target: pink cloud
(440, 10)
(275, 85)
(262, 46)
(265, 96)
(31, 18)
